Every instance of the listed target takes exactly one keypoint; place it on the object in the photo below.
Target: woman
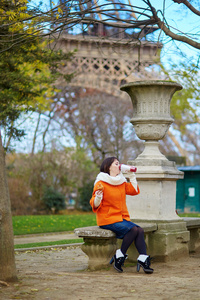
(109, 203)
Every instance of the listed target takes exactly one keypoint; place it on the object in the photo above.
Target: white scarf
(113, 180)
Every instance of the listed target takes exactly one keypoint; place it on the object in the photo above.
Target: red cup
(127, 168)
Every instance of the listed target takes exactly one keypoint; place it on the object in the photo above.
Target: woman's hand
(98, 198)
(99, 193)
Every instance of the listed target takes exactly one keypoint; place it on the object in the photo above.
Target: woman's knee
(140, 231)
(137, 231)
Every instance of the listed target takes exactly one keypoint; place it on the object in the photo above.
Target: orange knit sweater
(113, 205)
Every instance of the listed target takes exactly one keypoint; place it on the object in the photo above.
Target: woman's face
(114, 168)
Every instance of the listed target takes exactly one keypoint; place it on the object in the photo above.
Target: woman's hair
(105, 166)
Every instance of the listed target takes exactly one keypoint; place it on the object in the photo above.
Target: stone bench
(193, 226)
(101, 244)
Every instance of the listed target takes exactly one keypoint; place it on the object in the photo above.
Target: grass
(24, 225)
(57, 223)
(61, 242)
(191, 215)
(51, 223)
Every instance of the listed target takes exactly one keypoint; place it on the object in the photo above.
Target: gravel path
(59, 274)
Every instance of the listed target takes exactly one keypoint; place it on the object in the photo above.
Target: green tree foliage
(185, 103)
(27, 72)
(185, 108)
(53, 199)
(85, 193)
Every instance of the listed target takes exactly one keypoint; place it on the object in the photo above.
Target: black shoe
(125, 257)
(118, 262)
(145, 265)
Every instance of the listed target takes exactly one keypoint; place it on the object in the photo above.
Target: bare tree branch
(171, 34)
(114, 13)
(182, 151)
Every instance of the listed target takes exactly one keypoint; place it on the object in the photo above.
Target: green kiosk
(188, 190)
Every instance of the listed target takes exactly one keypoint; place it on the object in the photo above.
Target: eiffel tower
(108, 56)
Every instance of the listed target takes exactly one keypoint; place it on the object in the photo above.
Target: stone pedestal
(157, 203)
(157, 181)
(155, 174)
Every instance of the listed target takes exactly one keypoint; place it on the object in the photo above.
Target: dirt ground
(59, 274)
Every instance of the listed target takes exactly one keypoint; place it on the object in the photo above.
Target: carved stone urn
(151, 112)
(156, 175)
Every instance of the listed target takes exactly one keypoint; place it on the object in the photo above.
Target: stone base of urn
(156, 203)
(156, 178)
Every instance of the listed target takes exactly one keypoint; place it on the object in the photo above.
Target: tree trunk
(182, 151)
(7, 257)
(35, 135)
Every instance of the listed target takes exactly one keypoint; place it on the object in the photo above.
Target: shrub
(85, 194)
(53, 199)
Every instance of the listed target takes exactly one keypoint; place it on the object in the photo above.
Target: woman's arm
(96, 199)
(133, 180)
(132, 187)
